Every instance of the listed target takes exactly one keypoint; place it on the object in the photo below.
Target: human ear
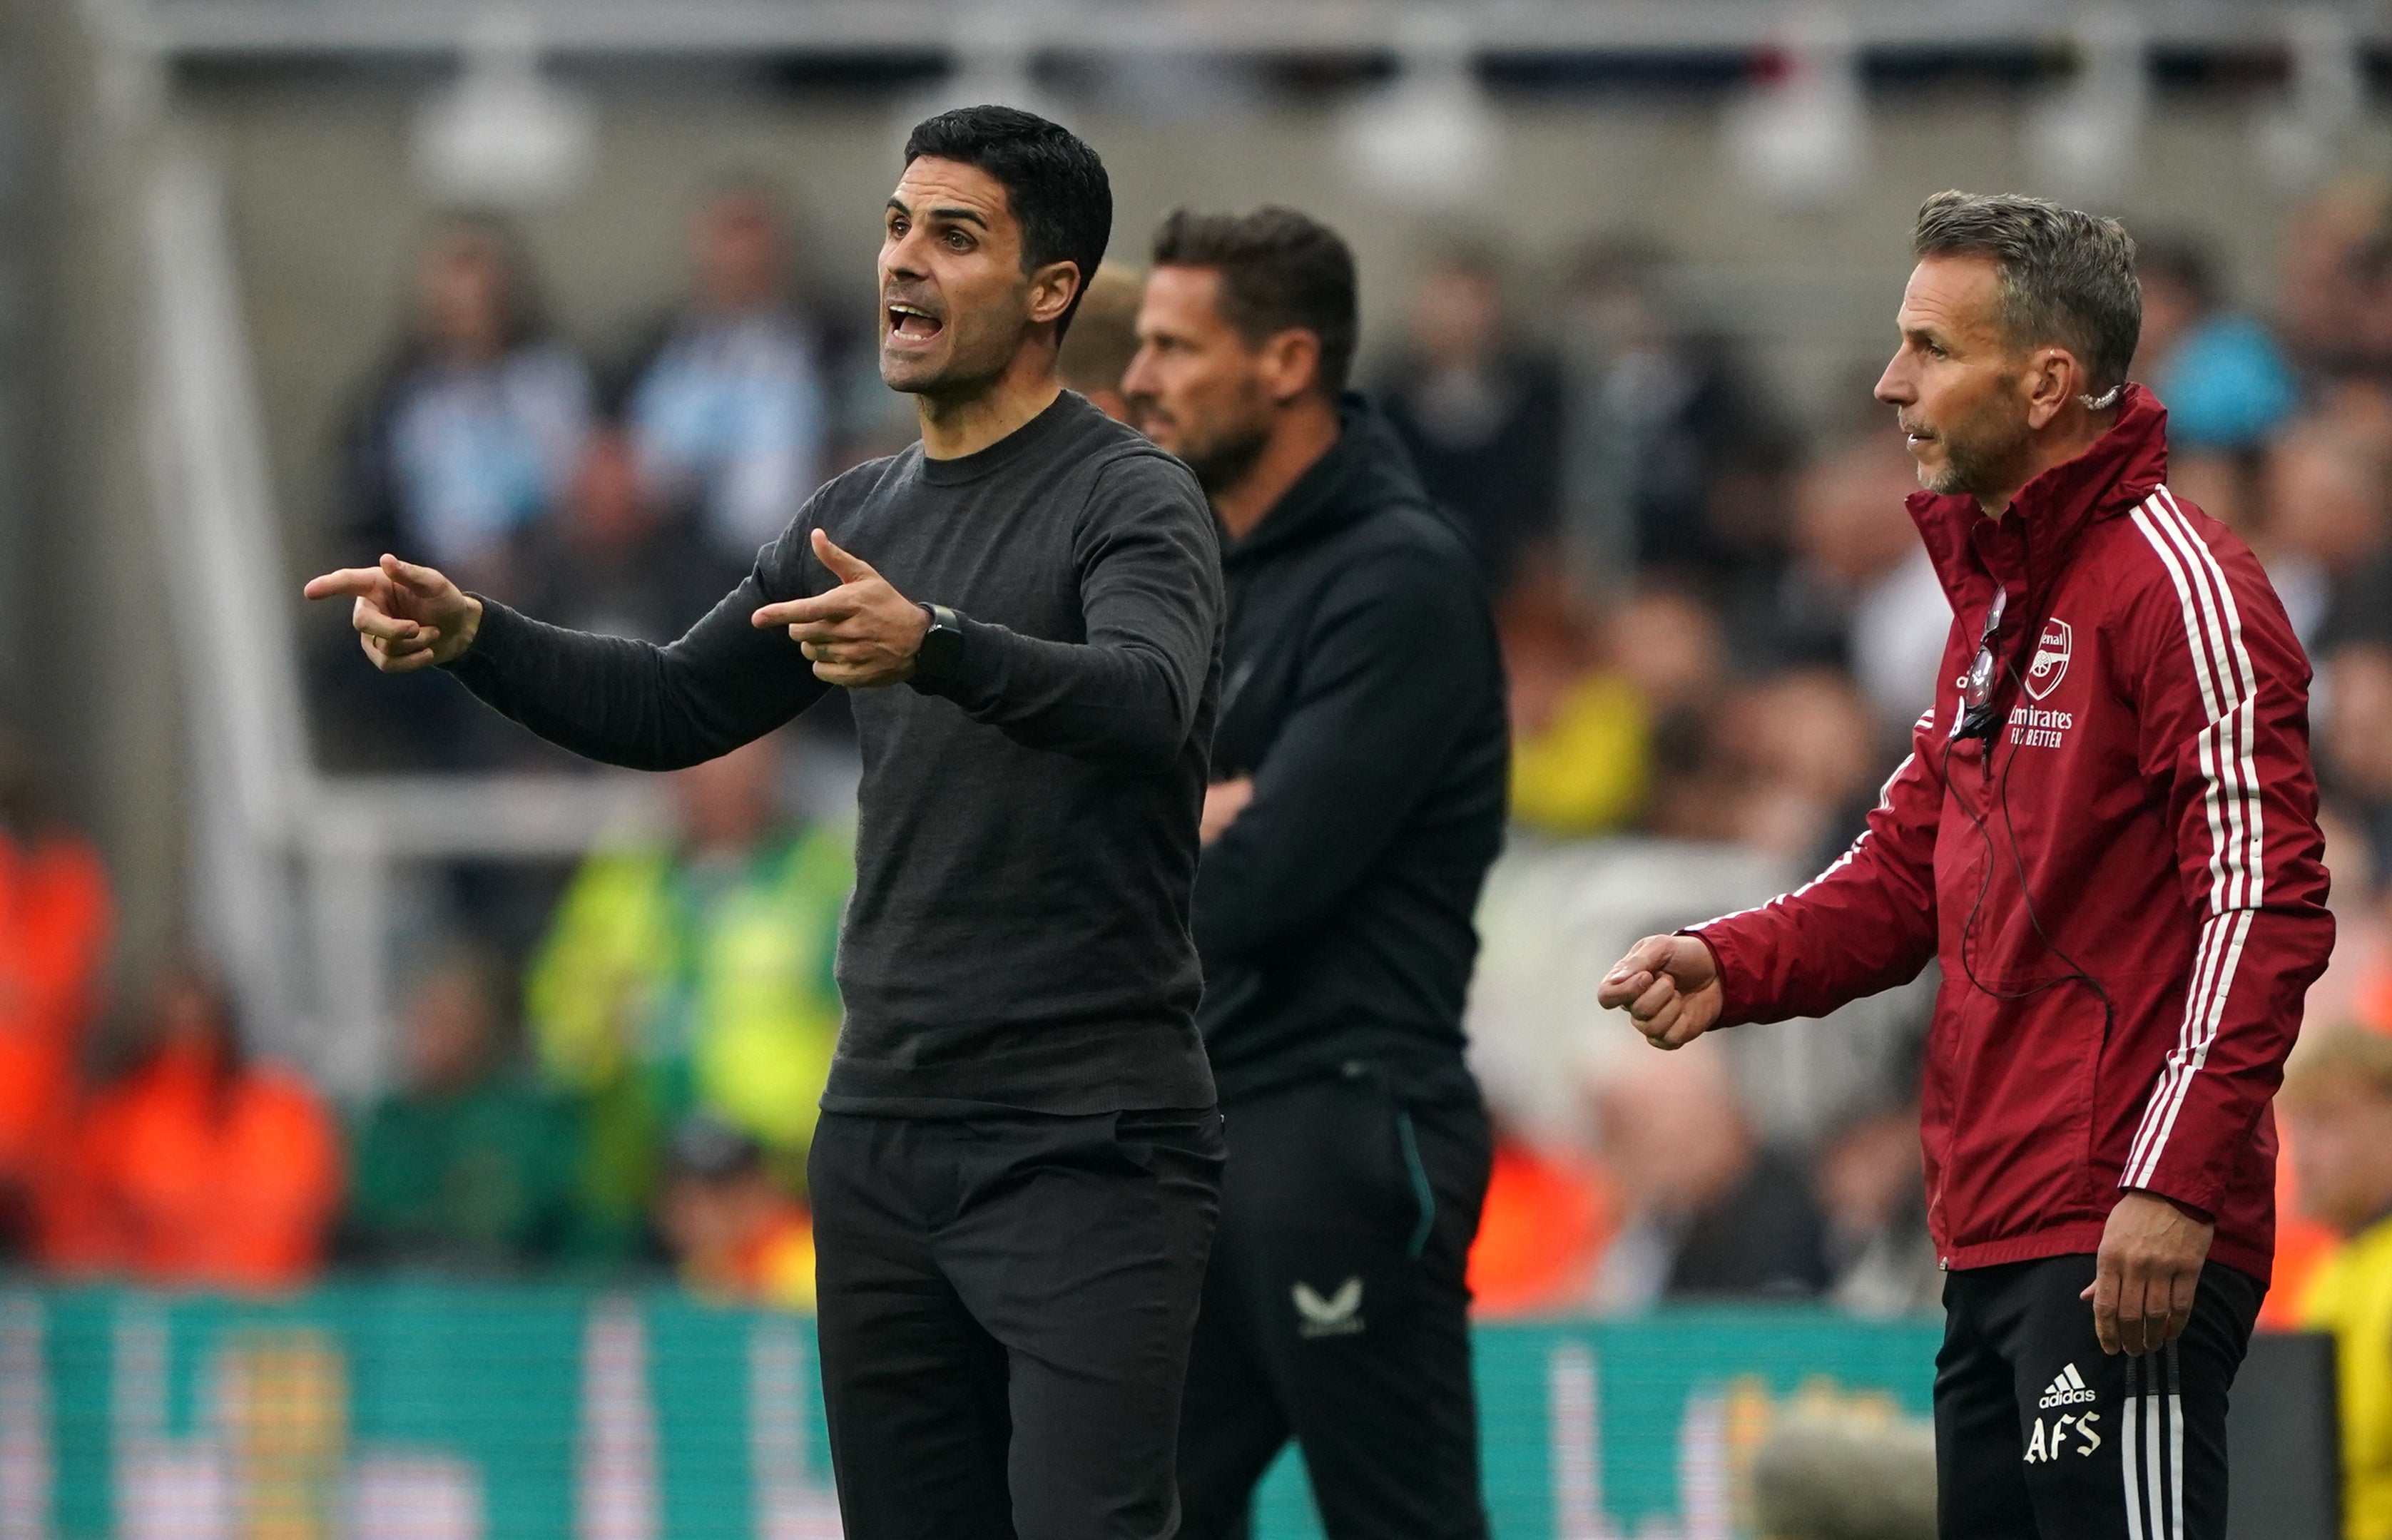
(2049, 378)
(1290, 364)
(1052, 289)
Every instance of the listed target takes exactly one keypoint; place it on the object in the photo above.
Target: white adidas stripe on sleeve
(2221, 665)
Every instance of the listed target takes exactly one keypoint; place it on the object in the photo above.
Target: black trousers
(1004, 1312)
(1335, 1312)
(2040, 1434)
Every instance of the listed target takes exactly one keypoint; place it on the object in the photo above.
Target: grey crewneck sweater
(1019, 936)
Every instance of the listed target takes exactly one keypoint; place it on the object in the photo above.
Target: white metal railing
(289, 871)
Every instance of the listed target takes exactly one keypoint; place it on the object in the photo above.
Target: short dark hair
(2066, 276)
(1055, 184)
(1280, 271)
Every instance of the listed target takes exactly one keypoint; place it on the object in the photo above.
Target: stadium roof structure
(237, 28)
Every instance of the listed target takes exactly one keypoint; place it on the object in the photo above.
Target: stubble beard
(1225, 461)
(972, 364)
(1223, 464)
(1977, 458)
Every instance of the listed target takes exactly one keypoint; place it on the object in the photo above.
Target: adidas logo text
(2068, 1390)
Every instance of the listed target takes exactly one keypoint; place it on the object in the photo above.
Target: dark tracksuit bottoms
(2040, 1435)
(1366, 699)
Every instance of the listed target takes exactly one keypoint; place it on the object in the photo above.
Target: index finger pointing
(353, 582)
(799, 612)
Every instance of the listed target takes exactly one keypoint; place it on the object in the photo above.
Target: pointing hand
(407, 617)
(862, 634)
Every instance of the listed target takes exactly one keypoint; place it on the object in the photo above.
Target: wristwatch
(942, 651)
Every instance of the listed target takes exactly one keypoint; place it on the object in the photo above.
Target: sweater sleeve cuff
(500, 626)
(979, 665)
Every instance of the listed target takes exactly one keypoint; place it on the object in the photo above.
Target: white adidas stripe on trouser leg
(2151, 1451)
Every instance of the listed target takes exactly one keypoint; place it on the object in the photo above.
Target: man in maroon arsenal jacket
(2106, 831)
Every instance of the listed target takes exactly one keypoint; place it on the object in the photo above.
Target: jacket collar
(2121, 468)
(1366, 469)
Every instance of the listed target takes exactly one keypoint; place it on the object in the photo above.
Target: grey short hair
(2067, 277)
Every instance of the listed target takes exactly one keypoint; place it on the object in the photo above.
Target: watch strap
(935, 663)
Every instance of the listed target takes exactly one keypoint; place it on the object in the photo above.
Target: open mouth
(913, 323)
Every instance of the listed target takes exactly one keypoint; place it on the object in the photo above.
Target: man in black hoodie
(1360, 768)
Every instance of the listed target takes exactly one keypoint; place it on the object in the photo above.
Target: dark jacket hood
(1368, 469)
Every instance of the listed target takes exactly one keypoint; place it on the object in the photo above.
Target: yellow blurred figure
(2338, 1106)
(696, 977)
(1585, 773)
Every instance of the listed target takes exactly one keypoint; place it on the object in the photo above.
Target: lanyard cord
(2018, 860)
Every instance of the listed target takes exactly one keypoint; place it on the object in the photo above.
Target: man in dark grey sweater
(1362, 758)
(1017, 1171)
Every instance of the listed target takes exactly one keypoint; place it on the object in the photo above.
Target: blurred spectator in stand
(1808, 758)
(56, 917)
(694, 975)
(2326, 528)
(1863, 594)
(193, 1165)
(1580, 733)
(2323, 280)
(611, 561)
(469, 1166)
(1676, 461)
(473, 425)
(465, 440)
(1670, 647)
(2337, 1107)
(1667, 645)
(735, 1236)
(734, 406)
(1872, 1189)
(1479, 410)
(2219, 372)
(1103, 340)
(1709, 1211)
(2355, 749)
(1541, 1232)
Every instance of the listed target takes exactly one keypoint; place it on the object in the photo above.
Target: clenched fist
(1670, 985)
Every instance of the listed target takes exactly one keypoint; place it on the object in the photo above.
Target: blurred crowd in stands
(1719, 624)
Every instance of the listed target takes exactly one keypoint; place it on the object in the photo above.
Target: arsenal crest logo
(2050, 660)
